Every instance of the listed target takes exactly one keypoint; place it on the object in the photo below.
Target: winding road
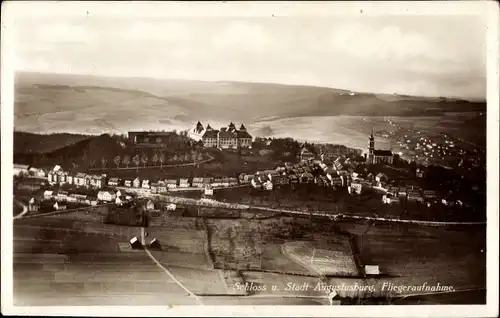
(25, 209)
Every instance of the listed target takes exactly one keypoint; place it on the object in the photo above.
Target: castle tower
(371, 149)
(242, 128)
(199, 127)
(197, 132)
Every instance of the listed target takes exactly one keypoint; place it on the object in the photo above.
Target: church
(376, 155)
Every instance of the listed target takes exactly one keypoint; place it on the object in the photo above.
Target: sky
(423, 55)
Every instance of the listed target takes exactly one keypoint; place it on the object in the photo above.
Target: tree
(194, 155)
(186, 157)
(126, 160)
(144, 159)
(155, 158)
(200, 157)
(175, 158)
(92, 163)
(103, 162)
(117, 161)
(161, 159)
(136, 161)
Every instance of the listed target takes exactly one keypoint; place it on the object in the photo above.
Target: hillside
(44, 143)
(67, 154)
(86, 104)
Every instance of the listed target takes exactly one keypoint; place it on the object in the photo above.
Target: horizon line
(433, 97)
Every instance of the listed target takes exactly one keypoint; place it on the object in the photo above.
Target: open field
(336, 260)
(77, 255)
(88, 267)
(418, 254)
(274, 260)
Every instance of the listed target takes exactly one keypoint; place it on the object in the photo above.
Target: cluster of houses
(28, 171)
(103, 196)
(337, 173)
(410, 193)
(60, 177)
(308, 171)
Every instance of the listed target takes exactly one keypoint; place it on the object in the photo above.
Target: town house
(209, 191)
(381, 178)
(114, 182)
(136, 183)
(256, 183)
(306, 177)
(48, 194)
(159, 187)
(88, 180)
(207, 181)
(415, 196)
(106, 195)
(98, 182)
(37, 173)
(171, 183)
(20, 170)
(33, 205)
(150, 205)
(197, 182)
(183, 183)
(79, 179)
(233, 181)
(62, 195)
(217, 182)
(306, 155)
(355, 188)
(281, 180)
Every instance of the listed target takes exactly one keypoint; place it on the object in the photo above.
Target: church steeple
(371, 148)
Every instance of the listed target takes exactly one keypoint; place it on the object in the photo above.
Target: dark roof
(199, 128)
(209, 127)
(243, 134)
(210, 133)
(242, 127)
(223, 133)
(386, 153)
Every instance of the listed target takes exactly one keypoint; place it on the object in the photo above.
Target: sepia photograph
(274, 155)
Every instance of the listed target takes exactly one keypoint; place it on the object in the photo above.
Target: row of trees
(158, 158)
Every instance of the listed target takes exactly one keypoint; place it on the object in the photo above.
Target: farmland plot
(415, 255)
(274, 260)
(334, 261)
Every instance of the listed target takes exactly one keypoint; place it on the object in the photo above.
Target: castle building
(226, 138)
(197, 132)
(376, 155)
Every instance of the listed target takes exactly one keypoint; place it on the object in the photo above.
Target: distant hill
(88, 104)
(29, 143)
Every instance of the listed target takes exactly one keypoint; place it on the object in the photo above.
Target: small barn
(372, 270)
